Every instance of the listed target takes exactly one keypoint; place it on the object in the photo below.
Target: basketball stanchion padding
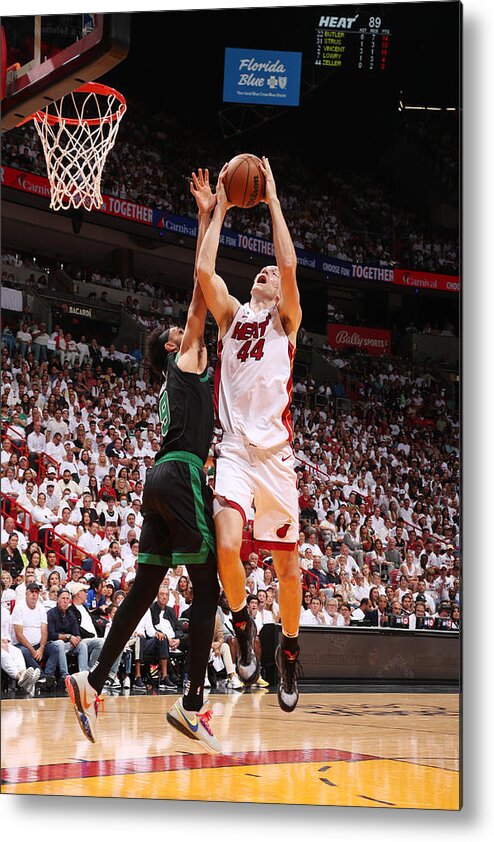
(77, 133)
(3, 63)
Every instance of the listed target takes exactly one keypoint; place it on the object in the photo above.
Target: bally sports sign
(367, 339)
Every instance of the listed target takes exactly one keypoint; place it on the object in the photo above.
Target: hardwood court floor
(354, 749)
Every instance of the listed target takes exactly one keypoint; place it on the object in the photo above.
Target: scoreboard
(353, 42)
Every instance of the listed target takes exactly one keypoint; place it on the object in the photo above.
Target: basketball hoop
(77, 133)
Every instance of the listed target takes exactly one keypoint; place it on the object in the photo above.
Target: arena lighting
(402, 107)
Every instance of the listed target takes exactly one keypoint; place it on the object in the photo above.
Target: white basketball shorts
(246, 476)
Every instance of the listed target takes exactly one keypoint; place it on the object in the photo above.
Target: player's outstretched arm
(221, 304)
(193, 339)
(286, 259)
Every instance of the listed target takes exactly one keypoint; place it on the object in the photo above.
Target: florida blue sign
(261, 77)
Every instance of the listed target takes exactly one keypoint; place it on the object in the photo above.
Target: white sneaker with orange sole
(86, 703)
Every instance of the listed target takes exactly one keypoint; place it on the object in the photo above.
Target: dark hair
(156, 353)
(93, 490)
(31, 556)
(185, 579)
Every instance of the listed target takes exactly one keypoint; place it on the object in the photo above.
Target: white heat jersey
(253, 381)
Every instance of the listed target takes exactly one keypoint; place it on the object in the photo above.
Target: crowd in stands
(166, 303)
(151, 303)
(378, 484)
(347, 216)
(436, 143)
(37, 278)
(338, 313)
(383, 480)
(406, 242)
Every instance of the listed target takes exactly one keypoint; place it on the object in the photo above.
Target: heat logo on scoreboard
(358, 42)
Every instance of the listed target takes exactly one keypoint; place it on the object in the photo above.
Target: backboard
(47, 56)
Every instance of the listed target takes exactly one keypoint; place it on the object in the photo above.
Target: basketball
(244, 181)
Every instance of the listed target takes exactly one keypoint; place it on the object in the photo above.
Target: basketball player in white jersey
(253, 388)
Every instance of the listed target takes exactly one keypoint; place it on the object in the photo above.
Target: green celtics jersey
(185, 410)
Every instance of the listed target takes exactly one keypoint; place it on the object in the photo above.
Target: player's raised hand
(201, 190)
(221, 197)
(270, 191)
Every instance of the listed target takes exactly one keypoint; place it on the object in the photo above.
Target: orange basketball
(244, 181)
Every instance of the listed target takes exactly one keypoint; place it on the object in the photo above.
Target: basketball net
(77, 132)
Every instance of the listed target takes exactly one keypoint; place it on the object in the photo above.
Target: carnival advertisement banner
(426, 280)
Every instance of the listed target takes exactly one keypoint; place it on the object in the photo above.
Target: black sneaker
(289, 670)
(139, 685)
(248, 667)
(166, 685)
(46, 683)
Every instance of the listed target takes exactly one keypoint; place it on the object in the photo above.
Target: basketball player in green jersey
(178, 525)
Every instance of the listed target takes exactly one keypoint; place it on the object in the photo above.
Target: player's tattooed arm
(193, 356)
(222, 305)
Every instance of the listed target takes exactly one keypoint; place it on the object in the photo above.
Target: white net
(77, 133)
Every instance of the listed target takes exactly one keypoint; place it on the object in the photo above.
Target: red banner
(368, 339)
(426, 280)
(112, 205)
(26, 181)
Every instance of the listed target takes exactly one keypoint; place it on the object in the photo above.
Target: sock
(132, 609)
(204, 580)
(241, 622)
(194, 701)
(290, 645)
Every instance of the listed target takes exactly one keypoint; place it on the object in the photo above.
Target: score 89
(374, 23)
